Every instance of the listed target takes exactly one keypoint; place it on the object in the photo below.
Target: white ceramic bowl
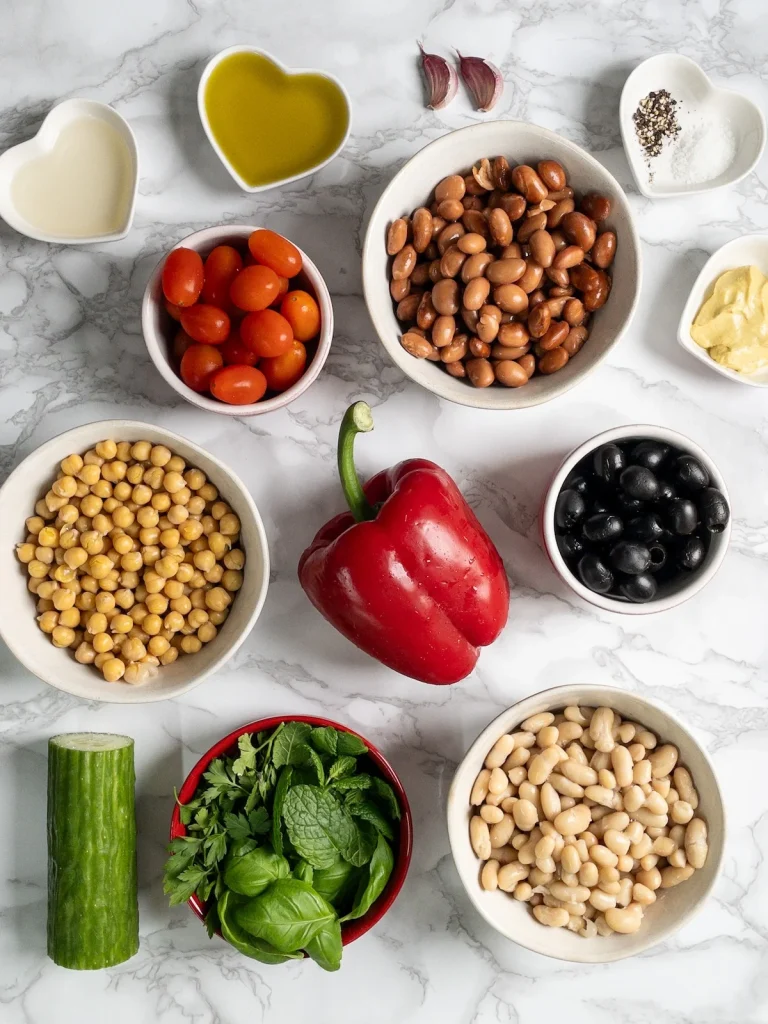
(740, 252)
(669, 595)
(18, 627)
(159, 329)
(40, 147)
(673, 908)
(698, 98)
(289, 73)
(457, 152)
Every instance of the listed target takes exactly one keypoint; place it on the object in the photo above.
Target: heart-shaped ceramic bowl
(42, 146)
(700, 106)
(287, 79)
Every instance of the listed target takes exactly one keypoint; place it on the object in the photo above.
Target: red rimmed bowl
(402, 848)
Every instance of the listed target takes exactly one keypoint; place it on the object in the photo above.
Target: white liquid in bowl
(82, 187)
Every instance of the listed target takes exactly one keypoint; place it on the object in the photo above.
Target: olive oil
(271, 125)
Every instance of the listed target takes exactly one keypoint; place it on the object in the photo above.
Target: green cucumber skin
(93, 919)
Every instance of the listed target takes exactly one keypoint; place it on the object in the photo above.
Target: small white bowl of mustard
(724, 323)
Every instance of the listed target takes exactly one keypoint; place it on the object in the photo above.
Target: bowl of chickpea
(135, 563)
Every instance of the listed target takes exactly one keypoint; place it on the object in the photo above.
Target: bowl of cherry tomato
(237, 320)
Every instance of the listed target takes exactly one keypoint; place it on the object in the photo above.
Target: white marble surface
(71, 351)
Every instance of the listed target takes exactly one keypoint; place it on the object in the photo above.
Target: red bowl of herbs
(290, 837)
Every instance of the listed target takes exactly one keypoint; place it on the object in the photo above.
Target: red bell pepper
(408, 574)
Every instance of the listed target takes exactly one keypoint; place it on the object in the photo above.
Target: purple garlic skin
(440, 77)
(483, 80)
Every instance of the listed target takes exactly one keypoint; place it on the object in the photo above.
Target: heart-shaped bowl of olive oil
(269, 124)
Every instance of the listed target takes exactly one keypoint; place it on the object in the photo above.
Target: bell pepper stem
(357, 419)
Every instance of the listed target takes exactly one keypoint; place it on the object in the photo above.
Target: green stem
(357, 419)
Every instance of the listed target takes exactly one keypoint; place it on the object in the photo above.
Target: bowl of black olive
(637, 519)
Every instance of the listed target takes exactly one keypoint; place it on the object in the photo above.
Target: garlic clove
(441, 78)
(483, 80)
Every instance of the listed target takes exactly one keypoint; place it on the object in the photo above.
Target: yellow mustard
(733, 323)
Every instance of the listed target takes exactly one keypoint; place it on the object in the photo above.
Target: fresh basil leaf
(325, 740)
(342, 767)
(291, 746)
(349, 744)
(360, 850)
(317, 764)
(325, 946)
(386, 794)
(305, 873)
(287, 914)
(353, 782)
(318, 826)
(361, 807)
(247, 757)
(373, 886)
(259, 821)
(256, 949)
(334, 880)
(282, 787)
(250, 874)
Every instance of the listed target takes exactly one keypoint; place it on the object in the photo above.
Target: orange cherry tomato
(236, 353)
(207, 324)
(221, 268)
(302, 313)
(274, 251)
(181, 343)
(255, 288)
(284, 282)
(198, 363)
(283, 371)
(182, 277)
(174, 311)
(238, 385)
(266, 333)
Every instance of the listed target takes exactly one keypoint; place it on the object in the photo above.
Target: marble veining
(71, 351)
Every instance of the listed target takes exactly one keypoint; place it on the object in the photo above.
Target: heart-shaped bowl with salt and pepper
(683, 134)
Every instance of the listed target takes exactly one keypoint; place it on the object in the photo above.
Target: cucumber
(93, 916)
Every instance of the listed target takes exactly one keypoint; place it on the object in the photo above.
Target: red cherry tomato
(198, 363)
(207, 324)
(266, 333)
(174, 311)
(183, 277)
(274, 251)
(302, 313)
(238, 385)
(254, 288)
(181, 343)
(221, 268)
(235, 352)
(283, 371)
(284, 282)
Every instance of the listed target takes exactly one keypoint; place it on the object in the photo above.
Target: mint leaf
(353, 782)
(342, 767)
(361, 807)
(349, 744)
(360, 849)
(291, 746)
(318, 826)
(282, 787)
(317, 764)
(384, 792)
(325, 739)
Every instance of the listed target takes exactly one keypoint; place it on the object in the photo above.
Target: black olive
(691, 554)
(603, 526)
(580, 484)
(595, 574)
(666, 491)
(646, 528)
(658, 555)
(713, 509)
(689, 474)
(569, 509)
(650, 454)
(639, 482)
(608, 462)
(570, 546)
(682, 516)
(630, 506)
(599, 505)
(638, 588)
(630, 557)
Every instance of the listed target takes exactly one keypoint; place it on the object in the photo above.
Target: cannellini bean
(588, 929)
(480, 788)
(537, 877)
(501, 832)
(624, 896)
(578, 894)
(663, 846)
(642, 894)
(601, 795)
(656, 803)
(684, 786)
(479, 837)
(678, 859)
(681, 812)
(633, 798)
(550, 801)
(568, 731)
(576, 753)
(508, 803)
(491, 814)
(517, 775)
(626, 921)
(581, 774)
(627, 732)
(495, 799)
(674, 876)
(564, 786)
(500, 751)
(574, 924)
(650, 879)
(646, 738)
(505, 854)
(645, 817)
(573, 821)
(570, 860)
(579, 715)
(602, 856)
(542, 765)
(650, 860)
(497, 782)
(510, 874)
(601, 900)
(618, 820)
(544, 848)
(642, 847)
(588, 874)
(602, 926)
(663, 760)
(621, 760)
(522, 891)
(536, 722)
(524, 738)
(636, 751)
(606, 779)
(553, 917)
(566, 802)
(582, 849)
(600, 730)
(489, 876)
(696, 846)
(599, 761)
(525, 815)
(662, 786)
(548, 736)
(518, 757)
(634, 831)
(616, 841)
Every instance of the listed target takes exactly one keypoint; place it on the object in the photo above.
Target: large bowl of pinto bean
(501, 265)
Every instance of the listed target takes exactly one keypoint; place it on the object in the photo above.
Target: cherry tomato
(181, 343)
(274, 251)
(254, 288)
(183, 277)
(198, 363)
(207, 324)
(283, 371)
(266, 333)
(238, 385)
(174, 311)
(221, 268)
(236, 353)
(302, 313)
(284, 282)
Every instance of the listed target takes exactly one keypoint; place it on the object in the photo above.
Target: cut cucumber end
(90, 741)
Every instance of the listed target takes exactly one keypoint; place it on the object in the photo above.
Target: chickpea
(174, 621)
(218, 617)
(206, 632)
(173, 482)
(229, 525)
(141, 494)
(122, 491)
(234, 559)
(157, 603)
(166, 567)
(138, 612)
(62, 636)
(113, 669)
(63, 600)
(185, 572)
(220, 509)
(48, 621)
(124, 450)
(71, 465)
(37, 569)
(190, 645)
(70, 617)
(153, 477)
(48, 537)
(215, 575)
(85, 602)
(208, 492)
(92, 542)
(124, 598)
(89, 474)
(150, 553)
(170, 538)
(123, 545)
(152, 624)
(65, 487)
(45, 555)
(217, 599)
(204, 560)
(182, 605)
(232, 580)
(169, 657)
(161, 501)
(149, 535)
(114, 471)
(157, 646)
(132, 561)
(103, 524)
(85, 654)
(194, 479)
(133, 649)
(62, 573)
(121, 624)
(196, 505)
(173, 588)
(104, 603)
(141, 450)
(122, 517)
(159, 455)
(197, 617)
(46, 589)
(99, 566)
(90, 505)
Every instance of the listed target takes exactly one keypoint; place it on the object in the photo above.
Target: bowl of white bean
(134, 562)
(586, 823)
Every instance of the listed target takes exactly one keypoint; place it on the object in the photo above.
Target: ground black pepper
(655, 120)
